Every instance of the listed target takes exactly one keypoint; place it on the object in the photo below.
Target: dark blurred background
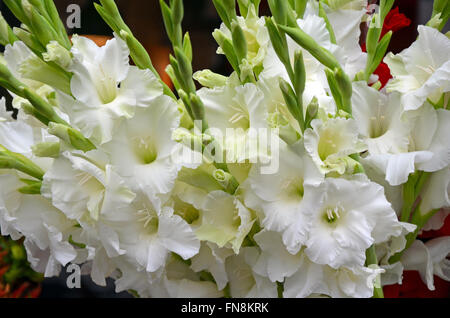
(144, 18)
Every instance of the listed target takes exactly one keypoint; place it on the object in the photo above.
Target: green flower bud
(177, 11)
(185, 69)
(70, 136)
(47, 149)
(198, 109)
(201, 177)
(300, 73)
(239, 41)
(227, 48)
(7, 36)
(291, 102)
(334, 88)
(345, 87)
(32, 188)
(29, 39)
(210, 79)
(137, 52)
(278, 41)
(36, 69)
(308, 43)
(42, 106)
(12, 160)
(8, 81)
(226, 180)
(187, 46)
(435, 21)
(312, 112)
(57, 54)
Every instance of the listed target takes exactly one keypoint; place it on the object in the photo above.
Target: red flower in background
(414, 287)
(394, 21)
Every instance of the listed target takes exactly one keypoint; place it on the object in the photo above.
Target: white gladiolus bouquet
(296, 176)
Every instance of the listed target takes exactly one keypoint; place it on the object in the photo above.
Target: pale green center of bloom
(378, 126)
(106, 87)
(332, 214)
(330, 141)
(144, 149)
(149, 218)
(293, 188)
(241, 116)
(185, 210)
(107, 90)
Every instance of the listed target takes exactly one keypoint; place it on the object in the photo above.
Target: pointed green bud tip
(239, 41)
(344, 83)
(4, 30)
(124, 35)
(209, 79)
(221, 176)
(58, 54)
(70, 136)
(46, 149)
(313, 108)
(435, 21)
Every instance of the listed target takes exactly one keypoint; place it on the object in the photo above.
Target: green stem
(371, 259)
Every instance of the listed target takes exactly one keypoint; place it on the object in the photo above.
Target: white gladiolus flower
(225, 221)
(46, 230)
(429, 259)
(244, 282)
(286, 188)
(148, 233)
(106, 88)
(341, 220)
(379, 120)
(142, 147)
(330, 143)
(305, 278)
(237, 112)
(428, 148)
(344, 282)
(256, 36)
(212, 258)
(278, 196)
(422, 71)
